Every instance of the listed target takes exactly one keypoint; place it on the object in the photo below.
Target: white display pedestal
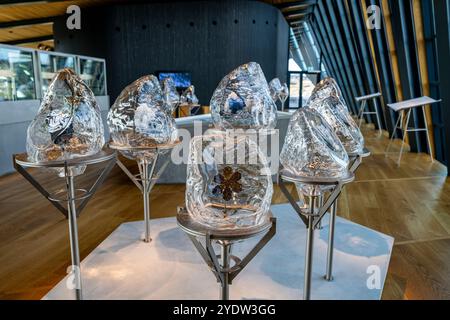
(124, 267)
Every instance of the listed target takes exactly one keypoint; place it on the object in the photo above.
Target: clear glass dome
(312, 149)
(275, 88)
(229, 184)
(188, 96)
(68, 123)
(242, 100)
(170, 93)
(341, 122)
(140, 118)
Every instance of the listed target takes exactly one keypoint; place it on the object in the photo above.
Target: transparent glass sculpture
(341, 122)
(229, 184)
(325, 88)
(311, 149)
(284, 93)
(68, 123)
(275, 88)
(242, 100)
(170, 93)
(140, 118)
(188, 96)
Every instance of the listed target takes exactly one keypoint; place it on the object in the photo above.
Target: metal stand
(283, 101)
(362, 109)
(72, 211)
(355, 162)
(147, 158)
(313, 216)
(223, 270)
(407, 106)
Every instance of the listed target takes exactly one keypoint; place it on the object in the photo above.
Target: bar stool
(362, 109)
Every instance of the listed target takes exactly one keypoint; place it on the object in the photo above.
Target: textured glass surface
(242, 100)
(188, 96)
(139, 117)
(50, 63)
(228, 184)
(341, 122)
(68, 124)
(311, 148)
(275, 88)
(325, 88)
(171, 96)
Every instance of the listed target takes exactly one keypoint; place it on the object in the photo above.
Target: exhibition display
(242, 100)
(275, 88)
(66, 136)
(313, 159)
(142, 128)
(224, 150)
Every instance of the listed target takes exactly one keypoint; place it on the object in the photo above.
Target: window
(17, 80)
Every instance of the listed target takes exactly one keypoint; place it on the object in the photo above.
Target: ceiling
(29, 23)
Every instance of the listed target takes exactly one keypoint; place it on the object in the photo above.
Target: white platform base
(124, 267)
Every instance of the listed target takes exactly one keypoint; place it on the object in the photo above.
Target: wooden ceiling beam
(26, 22)
(28, 40)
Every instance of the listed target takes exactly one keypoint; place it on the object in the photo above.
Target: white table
(406, 107)
(362, 109)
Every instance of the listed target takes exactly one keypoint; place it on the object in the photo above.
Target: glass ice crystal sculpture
(68, 123)
(275, 88)
(312, 149)
(229, 184)
(170, 93)
(140, 118)
(242, 100)
(188, 96)
(325, 88)
(331, 109)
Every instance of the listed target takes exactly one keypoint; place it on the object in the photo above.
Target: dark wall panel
(206, 38)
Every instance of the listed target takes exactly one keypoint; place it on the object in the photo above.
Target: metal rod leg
(320, 201)
(361, 113)
(332, 223)
(146, 197)
(73, 235)
(146, 169)
(309, 252)
(405, 132)
(225, 262)
(380, 131)
(430, 150)
(399, 120)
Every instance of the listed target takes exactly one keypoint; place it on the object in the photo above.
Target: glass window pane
(294, 90)
(50, 64)
(307, 87)
(92, 72)
(16, 75)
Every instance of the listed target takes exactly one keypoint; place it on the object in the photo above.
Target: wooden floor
(410, 203)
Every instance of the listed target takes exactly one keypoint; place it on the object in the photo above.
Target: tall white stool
(406, 106)
(362, 109)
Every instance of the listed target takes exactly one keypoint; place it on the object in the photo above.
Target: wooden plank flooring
(411, 203)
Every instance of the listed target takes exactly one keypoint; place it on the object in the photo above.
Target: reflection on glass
(92, 72)
(16, 75)
(294, 89)
(50, 64)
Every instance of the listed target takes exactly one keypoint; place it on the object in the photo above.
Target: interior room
(225, 150)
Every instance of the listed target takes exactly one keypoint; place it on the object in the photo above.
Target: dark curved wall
(206, 38)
